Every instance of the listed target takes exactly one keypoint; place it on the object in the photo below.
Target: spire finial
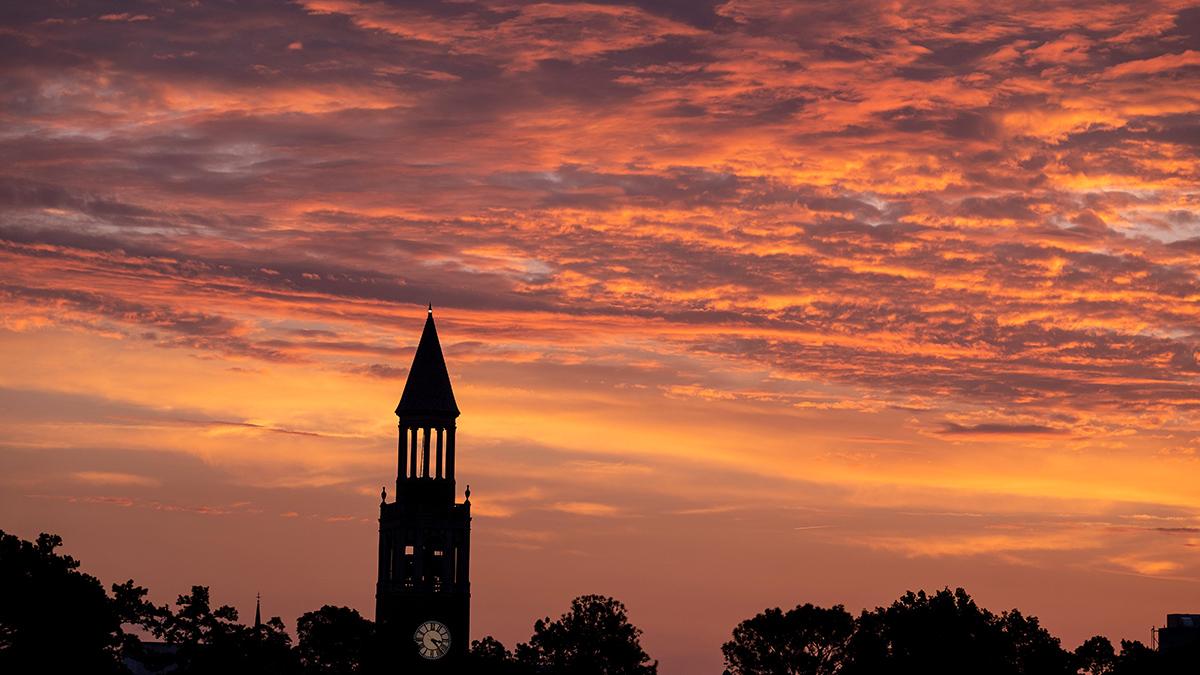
(468, 493)
(427, 392)
(383, 495)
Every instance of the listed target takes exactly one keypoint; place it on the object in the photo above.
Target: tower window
(439, 553)
(408, 550)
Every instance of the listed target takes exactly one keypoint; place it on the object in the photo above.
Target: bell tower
(423, 596)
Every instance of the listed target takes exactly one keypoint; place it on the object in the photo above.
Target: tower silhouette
(423, 596)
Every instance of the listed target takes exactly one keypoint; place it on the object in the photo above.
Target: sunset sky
(745, 304)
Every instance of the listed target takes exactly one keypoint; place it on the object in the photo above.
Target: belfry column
(425, 453)
(400, 459)
(438, 464)
(412, 457)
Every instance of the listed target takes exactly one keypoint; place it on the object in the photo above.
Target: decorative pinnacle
(431, 308)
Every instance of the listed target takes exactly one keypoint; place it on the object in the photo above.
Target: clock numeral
(433, 640)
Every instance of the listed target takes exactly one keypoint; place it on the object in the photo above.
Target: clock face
(433, 639)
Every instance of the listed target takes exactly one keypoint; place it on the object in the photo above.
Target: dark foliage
(948, 633)
(594, 637)
(53, 618)
(1096, 656)
(942, 633)
(807, 639)
(136, 612)
(1138, 659)
(489, 657)
(210, 640)
(335, 641)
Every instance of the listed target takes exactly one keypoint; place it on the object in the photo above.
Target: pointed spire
(428, 392)
(257, 611)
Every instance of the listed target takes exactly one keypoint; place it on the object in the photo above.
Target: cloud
(585, 508)
(993, 428)
(126, 16)
(154, 504)
(987, 543)
(1155, 65)
(1146, 566)
(114, 478)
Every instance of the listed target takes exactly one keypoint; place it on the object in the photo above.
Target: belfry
(423, 596)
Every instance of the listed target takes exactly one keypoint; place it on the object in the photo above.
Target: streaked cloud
(114, 478)
(585, 508)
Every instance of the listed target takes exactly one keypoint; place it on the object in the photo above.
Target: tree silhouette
(129, 602)
(335, 641)
(210, 640)
(594, 637)
(948, 633)
(53, 618)
(489, 650)
(807, 640)
(1031, 648)
(270, 649)
(1137, 659)
(1096, 656)
(489, 657)
(205, 637)
(941, 633)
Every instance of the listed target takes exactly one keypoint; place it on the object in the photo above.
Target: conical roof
(428, 392)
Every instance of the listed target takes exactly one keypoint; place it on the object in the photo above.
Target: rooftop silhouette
(428, 393)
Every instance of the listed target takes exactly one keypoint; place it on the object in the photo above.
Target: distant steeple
(257, 611)
(428, 393)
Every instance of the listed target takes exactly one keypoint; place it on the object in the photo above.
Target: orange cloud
(114, 478)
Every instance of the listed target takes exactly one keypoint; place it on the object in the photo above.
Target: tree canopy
(941, 633)
(52, 616)
(807, 639)
(948, 633)
(55, 618)
(211, 639)
(593, 637)
(335, 641)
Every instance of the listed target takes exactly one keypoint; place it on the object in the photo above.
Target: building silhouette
(1181, 632)
(423, 596)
